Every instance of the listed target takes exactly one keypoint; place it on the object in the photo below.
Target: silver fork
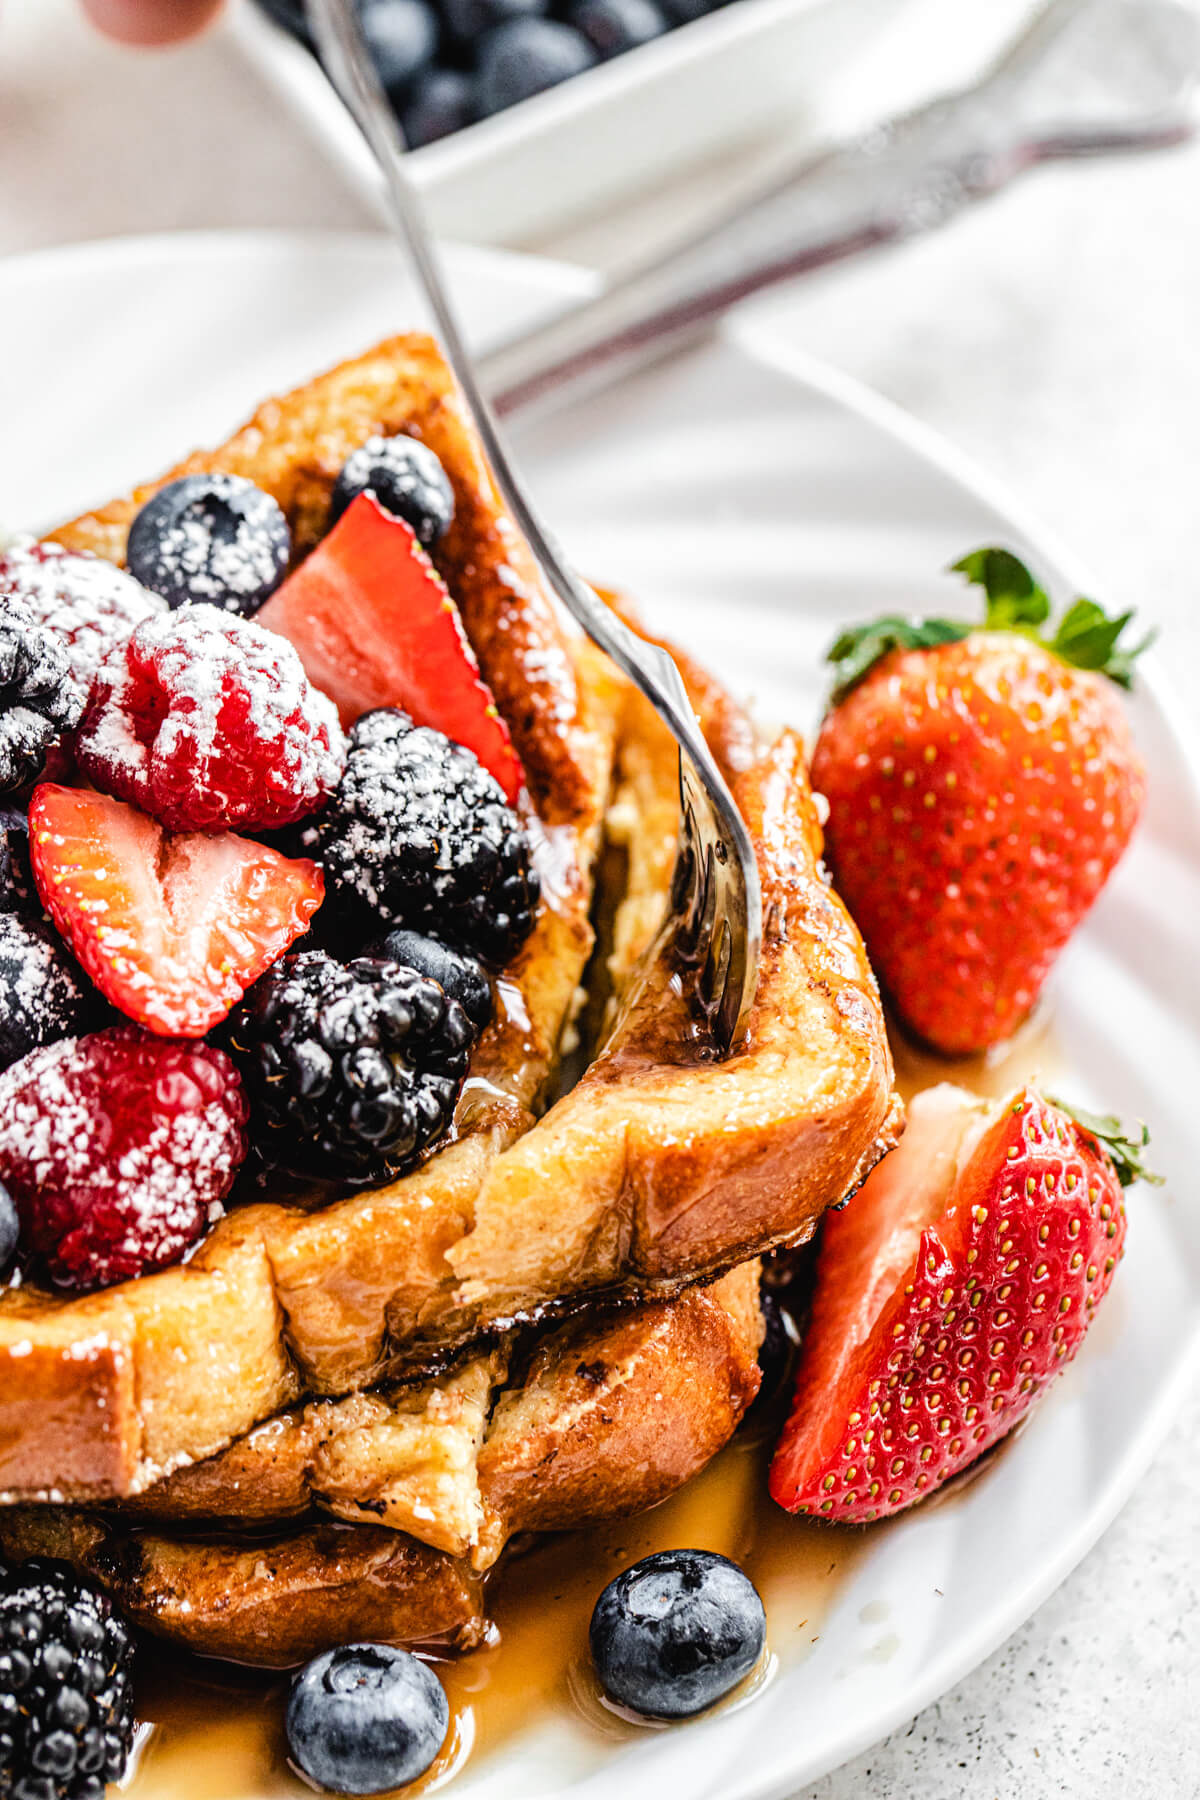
(1084, 77)
(716, 897)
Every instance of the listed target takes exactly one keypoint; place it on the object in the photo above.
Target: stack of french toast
(328, 1420)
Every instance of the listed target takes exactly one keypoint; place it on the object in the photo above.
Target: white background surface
(1056, 336)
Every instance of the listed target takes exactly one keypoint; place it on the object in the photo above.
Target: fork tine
(715, 895)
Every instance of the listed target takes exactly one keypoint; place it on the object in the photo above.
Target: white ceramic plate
(725, 79)
(753, 502)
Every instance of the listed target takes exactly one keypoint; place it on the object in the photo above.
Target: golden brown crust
(680, 1164)
(659, 1169)
(611, 1416)
(610, 1420)
(273, 1602)
(443, 1459)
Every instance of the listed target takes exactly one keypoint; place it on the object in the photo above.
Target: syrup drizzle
(217, 1734)
(213, 1733)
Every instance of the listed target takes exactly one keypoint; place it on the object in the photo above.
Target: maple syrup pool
(216, 1733)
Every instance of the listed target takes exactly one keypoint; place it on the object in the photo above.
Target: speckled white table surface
(1055, 335)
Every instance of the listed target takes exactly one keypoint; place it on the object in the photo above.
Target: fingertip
(151, 22)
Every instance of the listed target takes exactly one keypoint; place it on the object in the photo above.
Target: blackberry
(39, 701)
(66, 1694)
(44, 995)
(419, 834)
(352, 1068)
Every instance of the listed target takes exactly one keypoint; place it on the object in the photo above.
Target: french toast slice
(611, 1415)
(107, 1396)
(660, 1169)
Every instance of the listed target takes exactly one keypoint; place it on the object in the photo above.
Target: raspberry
(209, 723)
(118, 1150)
(89, 604)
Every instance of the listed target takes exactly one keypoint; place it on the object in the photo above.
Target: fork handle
(1071, 85)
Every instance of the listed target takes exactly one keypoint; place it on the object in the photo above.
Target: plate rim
(759, 339)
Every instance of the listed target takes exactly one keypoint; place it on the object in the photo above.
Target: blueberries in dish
(526, 56)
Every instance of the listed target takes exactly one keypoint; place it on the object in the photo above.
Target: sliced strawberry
(173, 930)
(950, 1291)
(375, 626)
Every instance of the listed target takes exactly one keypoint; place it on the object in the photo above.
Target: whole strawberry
(982, 784)
(957, 1283)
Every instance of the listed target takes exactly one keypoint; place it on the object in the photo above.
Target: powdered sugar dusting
(212, 539)
(118, 1150)
(208, 721)
(89, 604)
(42, 996)
(212, 568)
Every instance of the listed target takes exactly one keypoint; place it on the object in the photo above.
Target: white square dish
(724, 80)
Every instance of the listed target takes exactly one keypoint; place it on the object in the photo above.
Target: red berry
(209, 723)
(173, 930)
(118, 1150)
(957, 1283)
(980, 794)
(375, 626)
(89, 604)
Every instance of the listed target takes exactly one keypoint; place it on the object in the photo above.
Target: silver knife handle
(1087, 76)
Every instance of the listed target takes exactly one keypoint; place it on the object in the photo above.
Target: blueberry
(613, 26)
(365, 1718)
(456, 974)
(17, 892)
(407, 480)
(675, 1632)
(466, 20)
(526, 56)
(443, 101)
(777, 1354)
(10, 1228)
(683, 12)
(214, 538)
(44, 994)
(402, 38)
